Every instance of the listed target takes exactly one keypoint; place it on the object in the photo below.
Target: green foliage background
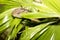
(13, 28)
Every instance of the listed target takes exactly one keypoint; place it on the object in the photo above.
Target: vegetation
(29, 20)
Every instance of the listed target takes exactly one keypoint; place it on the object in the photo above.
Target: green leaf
(15, 29)
(5, 5)
(53, 4)
(47, 34)
(30, 32)
(6, 13)
(57, 32)
(4, 26)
